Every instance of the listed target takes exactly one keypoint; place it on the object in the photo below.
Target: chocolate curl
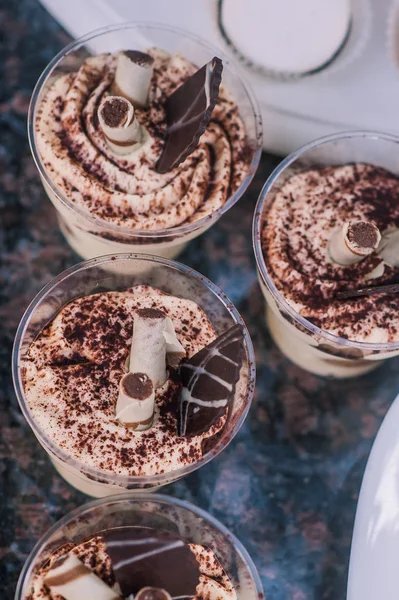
(148, 352)
(152, 593)
(133, 76)
(175, 352)
(135, 406)
(119, 124)
(353, 242)
(72, 580)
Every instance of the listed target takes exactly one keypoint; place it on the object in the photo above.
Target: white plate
(362, 95)
(374, 560)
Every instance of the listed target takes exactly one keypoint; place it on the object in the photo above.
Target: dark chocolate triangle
(146, 557)
(208, 379)
(189, 111)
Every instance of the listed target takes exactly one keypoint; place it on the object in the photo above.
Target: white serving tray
(362, 96)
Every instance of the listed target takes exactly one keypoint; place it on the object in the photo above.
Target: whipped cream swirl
(72, 375)
(127, 190)
(298, 226)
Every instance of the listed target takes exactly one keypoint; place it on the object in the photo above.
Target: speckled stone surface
(288, 484)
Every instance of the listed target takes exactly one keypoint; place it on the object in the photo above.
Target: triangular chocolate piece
(208, 379)
(189, 111)
(145, 557)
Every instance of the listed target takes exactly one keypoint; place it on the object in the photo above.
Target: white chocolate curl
(133, 76)
(119, 124)
(353, 241)
(148, 352)
(72, 580)
(154, 343)
(389, 247)
(175, 351)
(135, 406)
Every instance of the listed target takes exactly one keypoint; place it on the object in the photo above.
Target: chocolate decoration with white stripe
(209, 378)
(188, 112)
(145, 557)
(70, 578)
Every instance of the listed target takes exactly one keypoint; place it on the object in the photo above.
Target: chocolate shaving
(145, 557)
(188, 112)
(392, 288)
(208, 380)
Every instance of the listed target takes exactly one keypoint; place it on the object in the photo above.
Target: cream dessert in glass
(326, 240)
(132, 371)
(143, 137)
(150, 547)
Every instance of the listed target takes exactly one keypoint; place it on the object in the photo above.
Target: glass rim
(136, 498)
(257, 244)
(94, 473)
(173, 232)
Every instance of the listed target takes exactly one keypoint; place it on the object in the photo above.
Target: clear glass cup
(91, 236)
(308, 346)
(112, 273)
(157, 511)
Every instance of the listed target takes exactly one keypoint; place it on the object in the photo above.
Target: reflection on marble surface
(287, 485)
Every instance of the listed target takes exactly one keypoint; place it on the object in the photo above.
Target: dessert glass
(91, 236)
(113, 273)
(157, 511)
(308, 346)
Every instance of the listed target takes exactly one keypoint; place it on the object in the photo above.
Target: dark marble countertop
(288, 484)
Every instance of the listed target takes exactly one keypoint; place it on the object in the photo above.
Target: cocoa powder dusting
(82, 355)
(296, 230)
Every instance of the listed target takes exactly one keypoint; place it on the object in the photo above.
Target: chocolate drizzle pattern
(295, 237)
(208, 380)
(127, 190)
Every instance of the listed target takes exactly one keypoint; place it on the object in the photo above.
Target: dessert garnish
(392, 288)
(354, 241)
(152, 593)
(142, 557)
(136, 400)
(208, 379)
(119, 124)
(389, 247)
(175, 351)
(133, 76)
(148, 351)
(154, 345)
(72, 580)
(189, 111)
